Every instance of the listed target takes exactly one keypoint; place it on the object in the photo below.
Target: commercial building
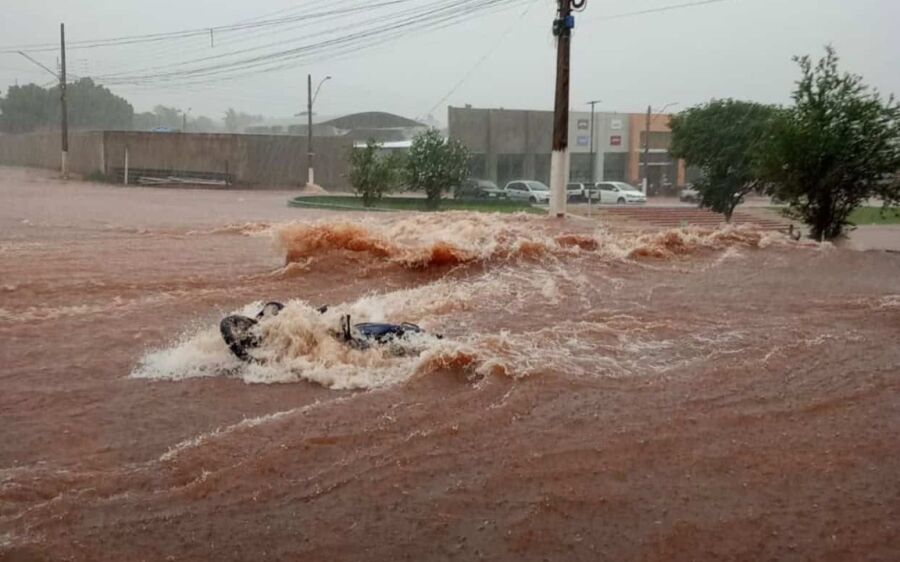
(516, 144)
(378, 125)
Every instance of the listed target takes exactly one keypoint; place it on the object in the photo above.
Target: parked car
(620, 193)
(580, 192)
(527, 190)
(478, 189)
(689, 194)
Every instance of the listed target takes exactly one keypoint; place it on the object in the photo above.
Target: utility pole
(559, 157)
(593, 160)
(62, 99)
(645, 174)
(310, 178)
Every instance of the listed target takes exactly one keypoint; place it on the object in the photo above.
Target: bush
(371, 174)
(435, 165)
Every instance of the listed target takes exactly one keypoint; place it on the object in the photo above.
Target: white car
(620, 193)
(527, 190)
(581, 192)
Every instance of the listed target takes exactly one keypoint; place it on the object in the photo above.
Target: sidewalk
(873, 237)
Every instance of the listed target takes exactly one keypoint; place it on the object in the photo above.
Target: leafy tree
(203, 124)
(235, 121)
(722, 138)
(24, 109)
(91, 106)
(435, 165)
(371, 174)
(835, 148)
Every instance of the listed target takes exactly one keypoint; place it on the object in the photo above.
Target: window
(477, 167)
(615, 166)
(542, 167)
(580, 167)
(510, 167)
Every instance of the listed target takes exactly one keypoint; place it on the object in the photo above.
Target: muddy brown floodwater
(597, 395)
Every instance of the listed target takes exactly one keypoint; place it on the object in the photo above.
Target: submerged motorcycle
(238, 333)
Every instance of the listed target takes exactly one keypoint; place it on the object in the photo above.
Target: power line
(439, 16)
(656, 10)
(153, 37)
(483, 58)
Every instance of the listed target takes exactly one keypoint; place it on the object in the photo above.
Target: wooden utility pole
(559, 157)
(62, 99)
(645, 175)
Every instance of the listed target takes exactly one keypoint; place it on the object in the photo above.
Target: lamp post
(593, 160)
(311, 177)
(184, 114)
(646, 171)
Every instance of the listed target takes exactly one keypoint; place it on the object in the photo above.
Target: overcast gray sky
(733, 48)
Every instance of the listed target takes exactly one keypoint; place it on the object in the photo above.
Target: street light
(184, 120)
(311, 178)
(650, 117)
(593, 160)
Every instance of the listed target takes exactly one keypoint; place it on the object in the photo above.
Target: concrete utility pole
(593, 159)
(559, 157)
(62, 98)
(645, 173)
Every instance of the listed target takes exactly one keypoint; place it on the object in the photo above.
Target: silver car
(527, 190)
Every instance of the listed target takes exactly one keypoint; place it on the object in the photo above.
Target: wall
(659, 123)
(252, 160)
(42, 150)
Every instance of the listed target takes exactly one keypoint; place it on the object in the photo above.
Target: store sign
(616, 125)
(583, 141)
(582, 124)
(615, 140)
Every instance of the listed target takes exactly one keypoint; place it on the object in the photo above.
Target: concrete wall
(42, 150)
(252, 160)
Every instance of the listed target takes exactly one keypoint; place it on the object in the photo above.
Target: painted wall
(659, 123)
(252, 160)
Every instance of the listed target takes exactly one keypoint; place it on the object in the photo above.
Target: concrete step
(674, 217)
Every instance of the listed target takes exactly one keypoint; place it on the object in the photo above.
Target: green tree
(722, 138)
(235, 120)
(835, 148)
(24, 109)
(435, 165)
(91, 106)
(371, 174)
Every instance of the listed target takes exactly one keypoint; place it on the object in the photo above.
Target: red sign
(615, 140)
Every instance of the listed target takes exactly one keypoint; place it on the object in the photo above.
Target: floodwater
(597, 395)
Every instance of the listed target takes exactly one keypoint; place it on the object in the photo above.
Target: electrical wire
(483, 58)
(655, 10)
(438, 16)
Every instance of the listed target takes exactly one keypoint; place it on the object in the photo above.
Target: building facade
(516, 144)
